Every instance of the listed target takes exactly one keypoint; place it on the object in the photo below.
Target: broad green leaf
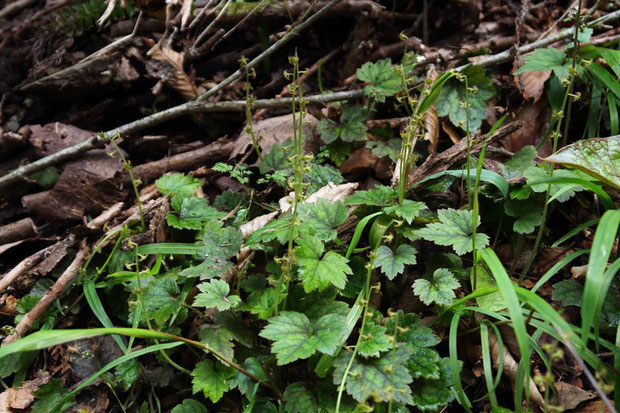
(520, 161)
(294, 337)
(178, 184)
(393, 263)
(243, 382)
(374, 341)
(544, 59)
(351, 128)
(160, 297)
(189, 406)
(492, 302)
(214, 293)
(380, 195)
(217, 338)
(212, 379)
(439, 289)
(318, 271)
(262, 303)
(384, 378)
(453, 95)
(274, 160)
(431, 395)
(454, 229)
(598, 157)
(528, 214)
(127, 373)
(299, 398)
(324, 217)
(409, 210)
(49, 395)
(390, 148)
(192, 213)
(383, 79)
(321, 175)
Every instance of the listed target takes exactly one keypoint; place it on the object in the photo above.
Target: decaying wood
(50, 296)
(18, 230)
(456, 154)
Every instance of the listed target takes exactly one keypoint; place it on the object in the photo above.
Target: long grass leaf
(557, 267)
(575, 231)
(359, 229)
(169, 248)
(597, 278)
(90, 293)
(454, 362)
(597, 189)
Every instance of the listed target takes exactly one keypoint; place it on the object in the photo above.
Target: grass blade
(454, 362)
(90, 293)
(169, 248)
(575, 231)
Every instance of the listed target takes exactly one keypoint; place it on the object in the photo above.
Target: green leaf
(243, 382)
(598, 157)
(431, 395)
(384, 378)
(492, 302)
(160, 297)
(453, 94)
(535, 173)
(127, 373)
(528, 214)
(520, 161)
(409, 210)
(189, 406)
(324, 217)
(393, 263)
(316, 272)
(178, 184)
(192, 213)
(217, 338)
(299, 398)
(454, 229)
(294, 337)
(374, 341)
(262, 303)
(214, 293)
(211, 379)
(568, 292)
(351, 128)
(274, 160)
(321, 175)
(49, 395)
(390, 148)
(439, 290)
(380, 195)
(544, 59)
(383, 79)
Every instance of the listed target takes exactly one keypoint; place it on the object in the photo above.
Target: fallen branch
(50, 296)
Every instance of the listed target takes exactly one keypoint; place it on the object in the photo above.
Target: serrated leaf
(324, 217)
(243, 382)
(178, 184)
(322, 175)
(351, 127)
(192, 213)
(409, 210)
(383, 79)
(528, 214)
(160, 297)
(455, 230)
(318, 271)
(384, 378)
(217, 338)
(519, 162)
(544, 59)
(374, 341)
(210, 268)
(390, 148)
(214, 293)
(492, 302)
(189, 406)
(49, 395)
(453, 95)
(535, 173)
(423, 363)
(299, 398)
(439, 289)
(380, 195)
(211, 379)
(598, 157)
(431, 395)
(275, 159)
(262, 303)
(127, 373)
(393, 263)
(294, 337)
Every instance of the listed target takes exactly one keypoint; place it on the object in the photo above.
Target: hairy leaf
(192, 213)
(455, 230)
(379, 196)
(324, 217)
(214, 293)
(316, 272)
(212, 379)
(536, 173)
(393, 263)
(351, 127)
(189, 406)
(545, 59)
(299, 398)
(217, 338)
(382, 77)
(294, 337)
(409, 210)
(431, 395)
(178, 184)
(439, 289)
(374, 341)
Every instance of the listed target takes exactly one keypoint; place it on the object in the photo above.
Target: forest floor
(309, 205)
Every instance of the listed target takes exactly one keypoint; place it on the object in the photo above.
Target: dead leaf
(596, 406)
(257, 223)
(274, 130)
(331, 192)
(535, 119)
(451, 131)
(21, 398)
(570, 396)
(532, 84)
(359, 164)
(431, 124)
(167, 66)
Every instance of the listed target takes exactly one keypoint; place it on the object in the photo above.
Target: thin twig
(203, 36)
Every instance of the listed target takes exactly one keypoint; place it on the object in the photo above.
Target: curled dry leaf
(22, 397)
(431, 121)
(570, 396)
(167, 66)
(330, 192)
(451, 131)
